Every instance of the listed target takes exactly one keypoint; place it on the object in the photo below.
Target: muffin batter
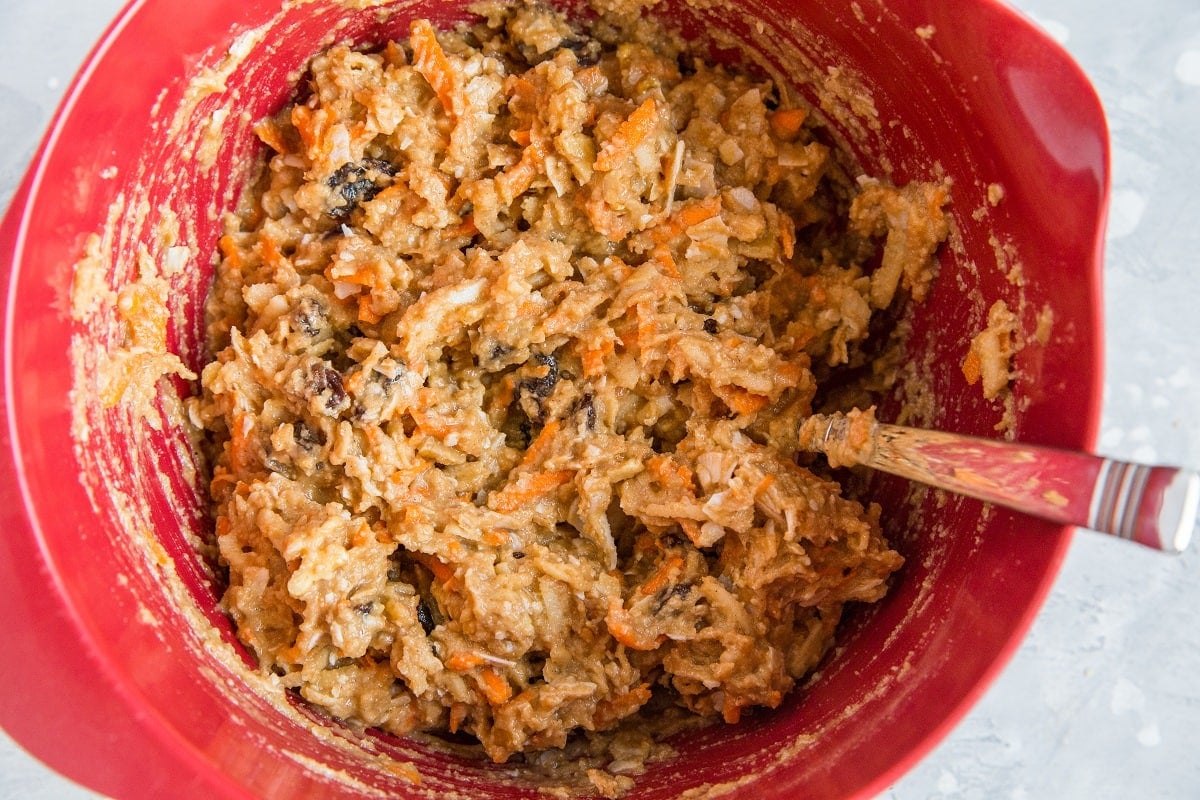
(512, 339)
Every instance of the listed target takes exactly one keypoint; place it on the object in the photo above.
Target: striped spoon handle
(1153, 506)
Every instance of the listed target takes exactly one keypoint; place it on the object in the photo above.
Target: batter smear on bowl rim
(512, 339)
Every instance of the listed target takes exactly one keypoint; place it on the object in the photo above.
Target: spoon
(1155, 506)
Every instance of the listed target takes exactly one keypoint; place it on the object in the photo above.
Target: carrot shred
(972, 367)
(787, 238)
(526, 490)
(269, 134)
(763, 485)
(432, 424)
(519, 177)
(495, 688)
(538, 447)
(239, 442)
(670, 473)
(442, 571)
(229, 249)
(691, 529)
(741, 401)
(394, 55)
(366, 312)
(461, 662)
(466, 228)
(309, 124)
(495, 537)
(621, 706)
(618, 626)
(662, 576)
(430, 60)
(271, 255)
(662, 254)
(634, 130)
(458, 713)
(786, 122)
(694, 213)
(595, 354)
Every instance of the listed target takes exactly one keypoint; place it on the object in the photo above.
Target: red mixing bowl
(120, 671)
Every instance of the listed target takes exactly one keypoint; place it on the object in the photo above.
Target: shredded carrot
(670, 473)
(463, 661)
(229, 249)
(269, 134)
(622, 705)
(691, 529)
(505, 393)
(404, 770)
(731, 710)
(366, 311)
(694, 213)
(443, 572)
(595, 354)
(636, 128)
(538, 447)
(271, 255)
(458, 713)
(239, 442)
(495, 688)
(690, 213)
(763, 485)
(972, 367)
(394, 55)
(430, 60)
(663, 575)
(310, 124)
(522, 98)
(526, 490)
(617, 621)
(434, 425)
(787, 238)
(519, 177)
(466, 228)
(786, 122)
(521, 136)
(354, 384)
(495, 537)
(741, 401)
(662, 254)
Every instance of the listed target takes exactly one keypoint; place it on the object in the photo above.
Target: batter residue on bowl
(512, 339)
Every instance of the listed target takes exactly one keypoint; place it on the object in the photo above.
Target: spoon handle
(1151, 505)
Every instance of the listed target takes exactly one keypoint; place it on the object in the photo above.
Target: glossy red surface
(102, 679)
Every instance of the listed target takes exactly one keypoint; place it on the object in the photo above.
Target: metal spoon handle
(1152, 505)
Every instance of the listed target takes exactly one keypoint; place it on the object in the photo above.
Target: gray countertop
(1103, 698)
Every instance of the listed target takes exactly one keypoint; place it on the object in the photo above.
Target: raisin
(310, 315)
(587, 405)
(710, 326)
(587, 51)
(359, 183)
(544, 385)
(322, 379)
(425, 616)
(308, 437)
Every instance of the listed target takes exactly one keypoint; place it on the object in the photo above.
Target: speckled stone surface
(1103, 698)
